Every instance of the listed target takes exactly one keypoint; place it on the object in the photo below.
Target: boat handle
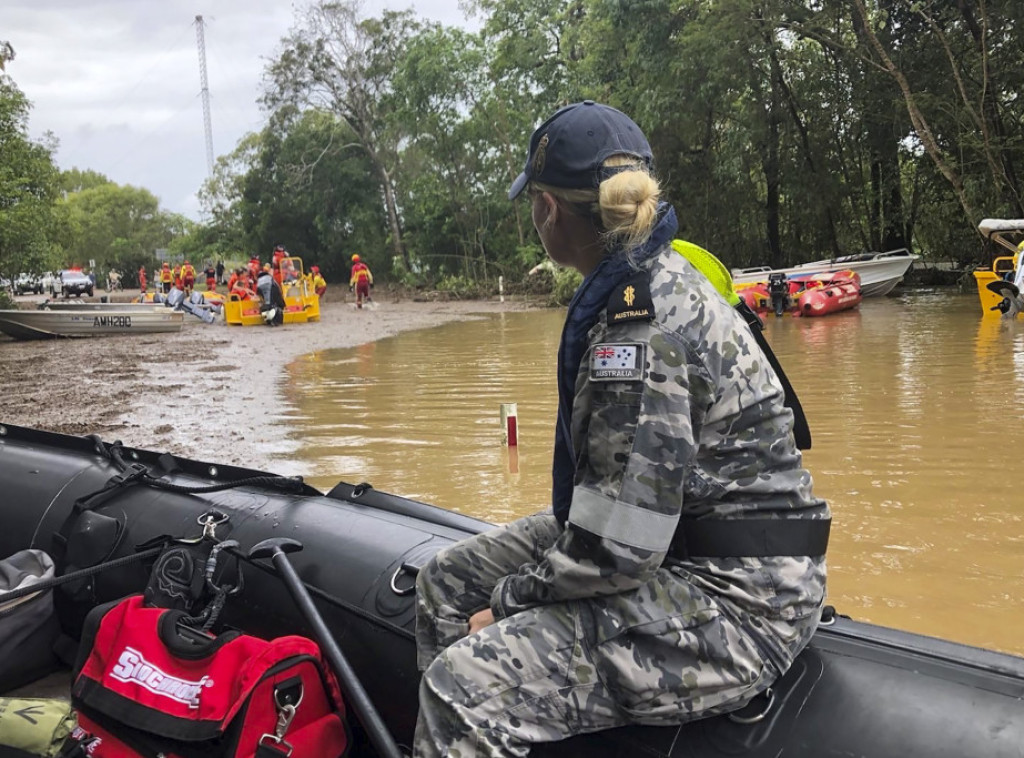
(402, 569)
(738, 719)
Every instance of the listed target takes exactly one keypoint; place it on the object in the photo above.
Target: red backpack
(146, 687)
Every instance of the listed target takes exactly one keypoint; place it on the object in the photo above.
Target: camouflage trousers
(663, 654)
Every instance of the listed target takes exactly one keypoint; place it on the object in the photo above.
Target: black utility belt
(749, 538)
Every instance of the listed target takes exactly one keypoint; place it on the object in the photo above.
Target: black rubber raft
(857, 690)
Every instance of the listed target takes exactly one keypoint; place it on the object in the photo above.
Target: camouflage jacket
(677, 413)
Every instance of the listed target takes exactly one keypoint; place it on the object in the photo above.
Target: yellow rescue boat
(1003, 232)
(301, 301)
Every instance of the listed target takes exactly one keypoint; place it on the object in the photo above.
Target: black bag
(28, 625)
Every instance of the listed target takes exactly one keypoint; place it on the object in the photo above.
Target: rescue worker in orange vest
(361, 280)
(319, 283)
(234, 278)
(166, 277)
(275, 263)
(188, 277)
(254, 268)
(142, 280)
(242, 286)
(177, 278)
(211, 277)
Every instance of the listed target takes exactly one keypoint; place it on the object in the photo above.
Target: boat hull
(857, 689)
(87, 322)
(829, 298)
(879, 273)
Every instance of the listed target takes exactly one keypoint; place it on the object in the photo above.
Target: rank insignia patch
(622, 362)
(631, 300)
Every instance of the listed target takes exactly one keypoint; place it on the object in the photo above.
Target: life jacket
(360, 272)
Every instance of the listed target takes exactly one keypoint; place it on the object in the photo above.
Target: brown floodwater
(915, 403)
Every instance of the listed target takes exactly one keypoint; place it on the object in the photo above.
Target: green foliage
(28, 187)
(566, 282)
(117, 226)
(781, 134)
(463, 287)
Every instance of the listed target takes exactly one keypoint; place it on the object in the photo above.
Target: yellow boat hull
(983, 277)
(301, 303)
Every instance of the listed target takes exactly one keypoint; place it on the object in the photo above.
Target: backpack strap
(719, 276)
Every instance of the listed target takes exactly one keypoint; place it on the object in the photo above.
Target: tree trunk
(992, 120)
(924, 132)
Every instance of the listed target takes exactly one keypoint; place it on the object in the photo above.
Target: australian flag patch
(619, 362)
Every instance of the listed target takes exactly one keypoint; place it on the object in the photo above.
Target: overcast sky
(117, 81)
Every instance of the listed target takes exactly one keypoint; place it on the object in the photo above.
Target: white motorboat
(81, 306)
(88, 322)
(879, 272)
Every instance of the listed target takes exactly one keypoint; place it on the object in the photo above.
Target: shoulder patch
(617, 362)
(631, 300)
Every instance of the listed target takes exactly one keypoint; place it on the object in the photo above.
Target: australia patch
(631, 300)
(617, 362)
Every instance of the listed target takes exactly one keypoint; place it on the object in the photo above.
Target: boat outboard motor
(778, 290)
(174, 298)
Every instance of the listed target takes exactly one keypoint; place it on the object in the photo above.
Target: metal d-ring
(394, 582)
(210, 521)
(738, 719)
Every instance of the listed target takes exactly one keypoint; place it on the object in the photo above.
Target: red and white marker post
(510, 435)
(509, 424)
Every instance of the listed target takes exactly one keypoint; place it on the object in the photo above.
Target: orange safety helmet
(166, 264)
(355, 258)
(266, 267)
(315, 269)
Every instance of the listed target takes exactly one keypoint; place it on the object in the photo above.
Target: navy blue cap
(568, 149)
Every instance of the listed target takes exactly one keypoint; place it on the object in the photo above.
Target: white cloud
(117, 81)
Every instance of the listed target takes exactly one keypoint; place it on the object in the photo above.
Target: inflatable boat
(806, 294)
(857, 690)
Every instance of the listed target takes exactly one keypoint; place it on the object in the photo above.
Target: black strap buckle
(133, 473)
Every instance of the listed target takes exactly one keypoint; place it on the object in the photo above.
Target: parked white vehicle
(25, 284)
(47, 281)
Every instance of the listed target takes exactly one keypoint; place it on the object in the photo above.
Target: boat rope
(136, 473)
(132, 472)
(48, 584)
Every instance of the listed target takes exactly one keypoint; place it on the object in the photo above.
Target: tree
(117, 226)
(28, 186)
(335, 61)
(76, 180)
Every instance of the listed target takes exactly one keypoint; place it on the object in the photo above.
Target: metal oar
(276, 548)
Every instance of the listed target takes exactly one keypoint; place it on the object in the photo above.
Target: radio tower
(201, 43)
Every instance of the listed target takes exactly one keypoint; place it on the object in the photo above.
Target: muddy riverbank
(197, 393)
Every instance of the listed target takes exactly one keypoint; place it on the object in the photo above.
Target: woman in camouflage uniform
(682, 568)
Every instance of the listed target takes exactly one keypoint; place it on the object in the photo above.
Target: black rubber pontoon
(858, 690)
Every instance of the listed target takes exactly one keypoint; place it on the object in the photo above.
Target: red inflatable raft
(809, 294)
